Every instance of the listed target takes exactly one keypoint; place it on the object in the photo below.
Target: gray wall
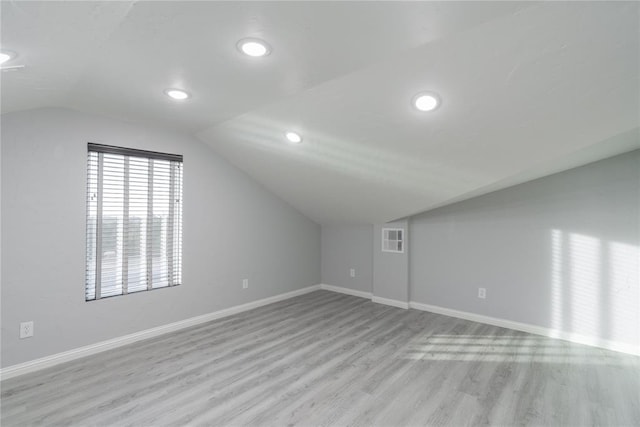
(383, 274)
(391, 270)
(233, 229)
(559, 252)
(346, 247)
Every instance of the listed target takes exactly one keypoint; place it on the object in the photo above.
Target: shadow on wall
(595, 287)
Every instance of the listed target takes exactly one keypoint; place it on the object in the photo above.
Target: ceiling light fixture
(293, 137)
(6, 56)
(254, 47)
(177, 94)
(426, 101)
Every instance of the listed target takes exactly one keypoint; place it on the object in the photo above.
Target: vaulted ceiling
(527, 89)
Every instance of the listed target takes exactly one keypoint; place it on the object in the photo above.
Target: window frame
(398, 240)
(164, 212)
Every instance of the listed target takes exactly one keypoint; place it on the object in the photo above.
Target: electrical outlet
(352, 272)
(245, 283)
(26, 329)
(482, 293)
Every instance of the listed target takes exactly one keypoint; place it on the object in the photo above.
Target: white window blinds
(134, 221)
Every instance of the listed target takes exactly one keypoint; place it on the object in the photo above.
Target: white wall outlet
(352, 272)
(482, 293)
(26, 329)
(245, 283)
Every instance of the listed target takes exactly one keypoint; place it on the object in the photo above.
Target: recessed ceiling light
(426, 101)
(177, 94)
(6, 56)
(293, 137)
(254, 47)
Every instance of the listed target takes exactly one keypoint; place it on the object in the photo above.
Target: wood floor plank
(250, 353)
(220, 334)
(329, 359)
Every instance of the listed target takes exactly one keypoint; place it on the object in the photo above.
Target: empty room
(320, 213)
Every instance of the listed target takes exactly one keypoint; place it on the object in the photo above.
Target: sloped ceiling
(527, 89)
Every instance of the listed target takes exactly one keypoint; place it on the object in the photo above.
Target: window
(134, 221)
(392, 240)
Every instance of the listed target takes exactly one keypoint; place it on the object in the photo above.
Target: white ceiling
(528, 89)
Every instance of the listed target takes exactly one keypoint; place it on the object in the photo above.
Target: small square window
(392, 240)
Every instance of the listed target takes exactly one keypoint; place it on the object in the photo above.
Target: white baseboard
(503, 323)
(339, 289)
(367, 295)
(392, 302)
(55, 359)
(532, 329)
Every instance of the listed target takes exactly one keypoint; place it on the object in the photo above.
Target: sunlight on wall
(595, 287)
(556, 280)
(585, 281)
(624, 291)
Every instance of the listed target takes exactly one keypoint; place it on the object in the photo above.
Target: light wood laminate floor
(331, 359)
